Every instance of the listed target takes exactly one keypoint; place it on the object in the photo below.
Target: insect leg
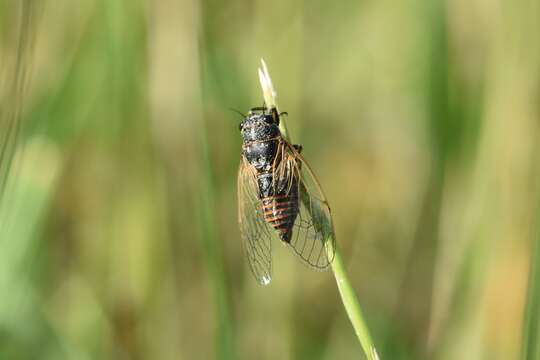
(275, 115)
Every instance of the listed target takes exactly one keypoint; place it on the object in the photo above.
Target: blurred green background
(118, 225)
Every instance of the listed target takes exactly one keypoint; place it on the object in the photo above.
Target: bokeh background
(119, 155)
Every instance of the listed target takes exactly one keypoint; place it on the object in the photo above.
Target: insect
(279, 196)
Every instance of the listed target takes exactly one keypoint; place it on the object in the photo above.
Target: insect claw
(275, 115)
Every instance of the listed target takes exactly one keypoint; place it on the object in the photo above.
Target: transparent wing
(256, 233)
(313, 237)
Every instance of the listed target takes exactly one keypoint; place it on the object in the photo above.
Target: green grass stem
(346, 290)
(212, 253)
(531, 320)
(16, 76)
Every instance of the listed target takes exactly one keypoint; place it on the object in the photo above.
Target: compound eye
(268, 119)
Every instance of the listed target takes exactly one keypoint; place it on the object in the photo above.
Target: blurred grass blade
(223, 336)
(531, 321)
(16, 77)
(346, 291)
(21, 250)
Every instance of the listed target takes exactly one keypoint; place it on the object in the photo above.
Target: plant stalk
(346, 291)
(531, 333)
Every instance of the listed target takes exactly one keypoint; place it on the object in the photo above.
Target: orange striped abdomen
(280, 212)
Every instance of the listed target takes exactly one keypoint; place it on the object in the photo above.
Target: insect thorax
(261, 140)
(258, 127)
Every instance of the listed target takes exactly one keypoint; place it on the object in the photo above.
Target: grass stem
(531, 321)
(346, 291)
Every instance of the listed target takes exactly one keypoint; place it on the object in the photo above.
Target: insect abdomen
(280, 212)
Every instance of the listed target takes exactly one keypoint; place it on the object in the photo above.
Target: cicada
(279, 197)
